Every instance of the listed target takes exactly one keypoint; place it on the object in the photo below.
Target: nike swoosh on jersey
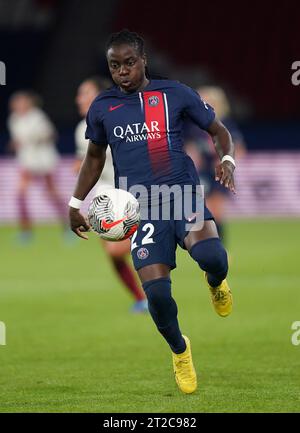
(111, 108)
(108, 226)
(193, 216)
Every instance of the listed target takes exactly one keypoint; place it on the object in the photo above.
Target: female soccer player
(142, 120)
(116, 251)
(33, 136)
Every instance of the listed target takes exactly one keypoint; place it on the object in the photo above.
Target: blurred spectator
(116, 251)
(86, 93)
(33, 139)
(201, 149)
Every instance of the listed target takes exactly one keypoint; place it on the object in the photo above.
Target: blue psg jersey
(145, 131)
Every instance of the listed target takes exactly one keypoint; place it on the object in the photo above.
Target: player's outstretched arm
(225, 147)
(89, 174)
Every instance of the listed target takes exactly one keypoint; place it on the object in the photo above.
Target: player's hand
(78, 223)
(224, 174)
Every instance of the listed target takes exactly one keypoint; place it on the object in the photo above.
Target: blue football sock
(163, 310)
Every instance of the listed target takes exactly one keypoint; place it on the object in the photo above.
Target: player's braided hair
(136, 41)
(127, 37)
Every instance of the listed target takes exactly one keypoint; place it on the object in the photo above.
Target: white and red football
(114, 214)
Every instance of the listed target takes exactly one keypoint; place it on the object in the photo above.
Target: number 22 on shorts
(147, 239)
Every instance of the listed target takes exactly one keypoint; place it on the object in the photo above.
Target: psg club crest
(153, 101)
(142, 253)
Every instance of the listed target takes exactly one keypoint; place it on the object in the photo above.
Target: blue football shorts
(156, 240)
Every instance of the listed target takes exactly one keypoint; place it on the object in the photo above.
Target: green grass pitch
(72, 345)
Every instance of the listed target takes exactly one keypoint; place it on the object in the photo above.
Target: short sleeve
(196, 109)
(95, 131)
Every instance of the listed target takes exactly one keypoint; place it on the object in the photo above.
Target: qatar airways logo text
(138, 131)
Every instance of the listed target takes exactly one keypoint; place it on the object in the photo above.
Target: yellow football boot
(185, 374)
(221, 298)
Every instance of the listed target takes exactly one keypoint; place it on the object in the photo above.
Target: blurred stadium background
(66, 316)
